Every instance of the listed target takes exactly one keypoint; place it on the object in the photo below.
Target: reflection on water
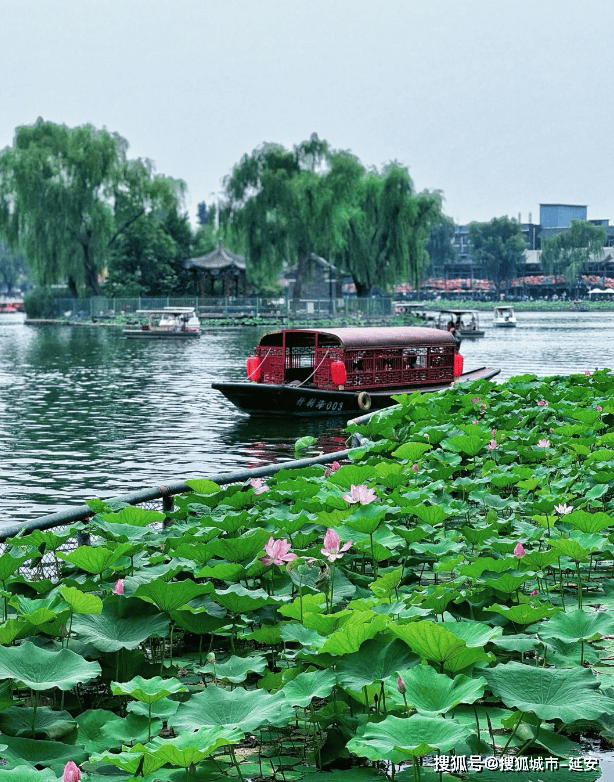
(85, 412)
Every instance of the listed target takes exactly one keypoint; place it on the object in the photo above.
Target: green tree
(499, 246)
(67, 194)
(387, 230)
(567, 253)
(440, 245)
(13, 268)
(287, 206)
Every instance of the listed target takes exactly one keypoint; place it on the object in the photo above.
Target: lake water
(85, 412)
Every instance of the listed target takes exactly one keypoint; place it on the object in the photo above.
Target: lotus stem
(236, 765)
(530, 741)
(579, 585)
(34, 696)
(513, 733)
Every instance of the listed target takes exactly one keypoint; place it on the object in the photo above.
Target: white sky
(500, 104)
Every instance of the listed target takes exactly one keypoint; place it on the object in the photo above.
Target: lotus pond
(442, 599)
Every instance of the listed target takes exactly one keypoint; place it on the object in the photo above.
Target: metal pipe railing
(83, 512)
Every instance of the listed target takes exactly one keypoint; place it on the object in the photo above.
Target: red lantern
(337, 373)
(253, 368)
(458, 365)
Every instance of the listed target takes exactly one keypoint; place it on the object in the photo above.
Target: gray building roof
(220, 258)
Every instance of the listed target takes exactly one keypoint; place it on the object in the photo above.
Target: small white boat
(167, 323)
(503, 317)
(464, 323)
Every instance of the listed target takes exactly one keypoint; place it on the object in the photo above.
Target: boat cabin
(464, 322)
(167, 322)
(355, 358)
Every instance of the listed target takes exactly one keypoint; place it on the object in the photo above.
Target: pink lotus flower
(563, 509)
(119, 586)
(541, 402)
(534, 592)
(519, 550)
(332, 468)
(258, 485)
(493, 432)
(475, 400)
(401, 685)
(544, 443)
(599, 408)
(72, 772)
(492, 445)
(587, 371)
(361, 494)
(475, 421)
(331, 548)
(278, 552)
(415, 467)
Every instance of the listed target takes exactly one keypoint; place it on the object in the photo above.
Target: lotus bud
(519, 550)
(535, 592)
(72, 772)
(119, 586)
(211, 658)
(401, 685)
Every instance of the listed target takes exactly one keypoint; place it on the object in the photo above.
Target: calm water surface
(85, 412)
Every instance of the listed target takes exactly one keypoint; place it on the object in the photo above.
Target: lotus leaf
(316, 684)
(239, 600)
(130, 729)
(474, 633)
(50, 754)
(374, 662)
(172, 596)
(95, 559)
(40, 669)
(352, 635)
(413, 736)
(429, 514)
(549, 693)
(240, 550)
(110, 630)
(28, 774)
(147, 690)
(470, 445)
(525, 614)
(162, 709)
(81, 602)
(434, 642)
(305, 636)
(576, 626)
(247, 710)
(235, 669)
(433, 693)
(138, 517)
(17, 721)
(10, 564)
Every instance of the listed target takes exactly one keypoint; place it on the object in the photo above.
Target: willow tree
(499, 246)
(387, 229)
(568, 252)
(289, 206)
(66, 194)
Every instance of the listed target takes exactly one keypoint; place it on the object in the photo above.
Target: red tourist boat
(305, 372)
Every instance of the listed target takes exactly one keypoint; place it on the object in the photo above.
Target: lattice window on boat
(300, 356)
(415, 358)
(441, 356)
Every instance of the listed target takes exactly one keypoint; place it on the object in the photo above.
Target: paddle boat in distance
(503, 317)
(466, 323)
(309, 372)
(167, 323)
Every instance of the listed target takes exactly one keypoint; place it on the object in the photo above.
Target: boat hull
(152, 334)
(508, 325)
(259, 399)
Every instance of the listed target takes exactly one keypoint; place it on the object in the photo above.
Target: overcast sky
(499, 105)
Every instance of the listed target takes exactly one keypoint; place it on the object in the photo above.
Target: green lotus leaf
(191, 748)
(430, 514)
(111, 630)
(81, 602)
(225, 571)
(352, 635)
(567, 547)
(524, 614)
(239, 600)
(50, 754)
(147, 690)
(94, 559)
(130, 729)
(163, 709)
(411, 451)
(352, 474)
(170, 596)
(366, 518)
(433, 693)
(198, 622)
(137, 517)
(473, 633)
(10, 564)
(17, 721)
(506, 583)
(266, 634)
(577, 626)
(91, 726)
(41, 669)
(429, 640)
(132, 761)
(235, 669)
(481, 564)
(386, 585)
(247, 710)
(414, 736)
(550, 693)
(589, 522)
(374, 662)
(306, 636)
(471, 445)
(28, 774)
(517, 643)
(316, 684)
(243, 549)
(12, 629)
(203, 486)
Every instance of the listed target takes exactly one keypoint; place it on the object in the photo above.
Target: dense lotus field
(442, 602)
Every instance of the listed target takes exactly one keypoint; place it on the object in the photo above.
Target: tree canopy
(499, 246)
(440, 245)
(289, 206)
(568, 252)
(68, 194)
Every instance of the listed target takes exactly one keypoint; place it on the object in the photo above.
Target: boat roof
(459, 312)
(362, 337)
(168, 311)
(504, 307)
